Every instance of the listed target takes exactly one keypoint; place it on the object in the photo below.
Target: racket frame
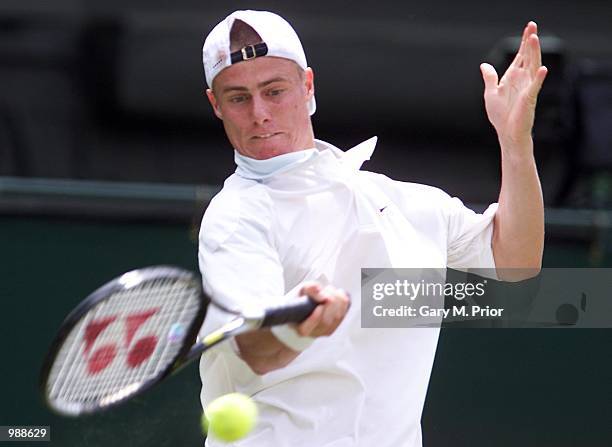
(124, 282)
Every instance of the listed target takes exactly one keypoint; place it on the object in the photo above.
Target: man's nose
(260, 110)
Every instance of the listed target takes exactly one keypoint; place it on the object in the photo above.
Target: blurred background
(109, 154)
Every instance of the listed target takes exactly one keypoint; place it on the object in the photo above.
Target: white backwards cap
(279, 39)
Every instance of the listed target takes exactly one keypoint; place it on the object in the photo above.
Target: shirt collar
(254, 169)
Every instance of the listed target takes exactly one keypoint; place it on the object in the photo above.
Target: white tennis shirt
(324, 219)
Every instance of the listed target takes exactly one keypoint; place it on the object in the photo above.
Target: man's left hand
(511, 102)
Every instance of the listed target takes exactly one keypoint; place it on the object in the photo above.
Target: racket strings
(125, 340)
(119, 374)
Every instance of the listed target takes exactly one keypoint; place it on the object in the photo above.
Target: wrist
(290, 338)
(516, 149)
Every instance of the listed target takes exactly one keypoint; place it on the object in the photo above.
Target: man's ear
(309, 82)
(213, 102)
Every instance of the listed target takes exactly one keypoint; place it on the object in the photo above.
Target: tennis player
(299, 216)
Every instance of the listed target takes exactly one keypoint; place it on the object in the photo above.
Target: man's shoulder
(238, 194)
(241, 203)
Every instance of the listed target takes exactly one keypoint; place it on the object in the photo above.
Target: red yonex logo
(138, 351)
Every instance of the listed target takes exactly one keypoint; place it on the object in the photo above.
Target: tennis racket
(134, 331)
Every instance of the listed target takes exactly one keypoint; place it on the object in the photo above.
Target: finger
(536, 51)
(337, 301)
(518, 58)
(312, 289)
(524, 37)
(527, 44)
(538, 47)
(338, 297)
(337, 310)
(329, 291)
(532, 50)
(346, 295)
(489, 76)
(330, 320)
(334, 309)
(522, 55)
(536, 85)
(333, 314)
(306, 327)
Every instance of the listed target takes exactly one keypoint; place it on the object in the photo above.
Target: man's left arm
(518, 236)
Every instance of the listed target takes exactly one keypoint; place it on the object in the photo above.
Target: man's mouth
(265, 136)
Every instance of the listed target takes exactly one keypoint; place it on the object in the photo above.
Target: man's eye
(238, 99)
(275, 92)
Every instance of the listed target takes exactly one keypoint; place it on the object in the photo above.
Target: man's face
(263, 103)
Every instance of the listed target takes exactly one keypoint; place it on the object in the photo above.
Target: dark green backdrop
(547, 387)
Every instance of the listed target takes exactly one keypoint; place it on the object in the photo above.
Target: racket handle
(295, 312)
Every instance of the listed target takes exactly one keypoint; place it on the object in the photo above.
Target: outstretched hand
(511, 101)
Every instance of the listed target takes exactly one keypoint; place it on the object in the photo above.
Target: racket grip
(295, 312)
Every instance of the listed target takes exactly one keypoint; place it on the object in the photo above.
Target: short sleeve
(470, 236)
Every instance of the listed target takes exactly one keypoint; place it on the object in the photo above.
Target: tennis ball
(204, 424)
(230, 417)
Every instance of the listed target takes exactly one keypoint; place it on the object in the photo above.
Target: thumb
(489, 75)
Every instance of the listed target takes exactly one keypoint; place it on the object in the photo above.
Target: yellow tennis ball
(230, 417)
(204, 424)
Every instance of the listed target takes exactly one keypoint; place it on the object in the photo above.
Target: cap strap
(249, 52)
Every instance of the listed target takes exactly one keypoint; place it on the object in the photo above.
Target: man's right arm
(264, 352)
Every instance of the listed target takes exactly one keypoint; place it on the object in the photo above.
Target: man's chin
(265, 150)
